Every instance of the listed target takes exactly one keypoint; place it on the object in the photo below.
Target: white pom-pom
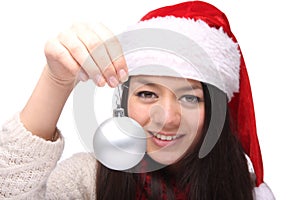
(263, 192)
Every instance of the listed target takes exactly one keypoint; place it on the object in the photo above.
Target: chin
(164, 158)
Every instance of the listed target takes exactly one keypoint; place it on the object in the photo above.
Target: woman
(175, 92)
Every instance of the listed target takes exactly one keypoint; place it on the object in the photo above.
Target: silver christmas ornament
(119, 142)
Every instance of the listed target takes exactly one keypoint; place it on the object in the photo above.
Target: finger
(107, 68)
(115, 52)
(114, 49)
(78, 52)
(82, 75)
(97, 50)
(59, 59)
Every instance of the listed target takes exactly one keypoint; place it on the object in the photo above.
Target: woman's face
(171, 111)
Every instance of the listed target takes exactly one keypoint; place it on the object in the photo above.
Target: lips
(164, 139)
(165, 136)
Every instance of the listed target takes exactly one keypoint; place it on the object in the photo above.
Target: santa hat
(209, 28)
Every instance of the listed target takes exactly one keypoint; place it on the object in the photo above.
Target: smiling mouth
(165, 137)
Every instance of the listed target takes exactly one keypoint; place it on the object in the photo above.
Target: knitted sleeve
(26, 161)
(73, 178)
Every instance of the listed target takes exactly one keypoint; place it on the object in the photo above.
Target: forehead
(172, 83)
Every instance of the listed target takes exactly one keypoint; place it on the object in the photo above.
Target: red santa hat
(208, 27)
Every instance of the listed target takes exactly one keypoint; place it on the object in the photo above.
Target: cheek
(137, 112)
(201, 120)
(195, 123)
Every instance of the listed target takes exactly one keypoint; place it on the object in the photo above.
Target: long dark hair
(222, 174)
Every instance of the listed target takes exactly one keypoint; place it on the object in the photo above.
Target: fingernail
(82, 76)
(113, 81)
(123, 75)
(97, 79)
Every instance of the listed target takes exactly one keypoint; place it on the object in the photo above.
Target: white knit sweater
(29, 169)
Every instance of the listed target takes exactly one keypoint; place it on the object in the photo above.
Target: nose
(166, 114)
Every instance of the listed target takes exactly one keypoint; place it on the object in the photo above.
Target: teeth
(164, 137)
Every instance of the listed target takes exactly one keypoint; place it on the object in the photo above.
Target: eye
(191, 99)
(147, 95)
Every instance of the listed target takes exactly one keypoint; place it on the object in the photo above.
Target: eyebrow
(188, 88)
(181, 89)
(144, 81)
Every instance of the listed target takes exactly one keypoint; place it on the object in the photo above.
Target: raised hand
(80, 53)
(86, 51)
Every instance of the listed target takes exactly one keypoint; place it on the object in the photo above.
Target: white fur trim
(263, 192)
(218, 61)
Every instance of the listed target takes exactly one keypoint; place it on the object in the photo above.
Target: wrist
(43, 109)
(60, 82)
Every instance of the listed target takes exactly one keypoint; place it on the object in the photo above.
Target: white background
(268, 33)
